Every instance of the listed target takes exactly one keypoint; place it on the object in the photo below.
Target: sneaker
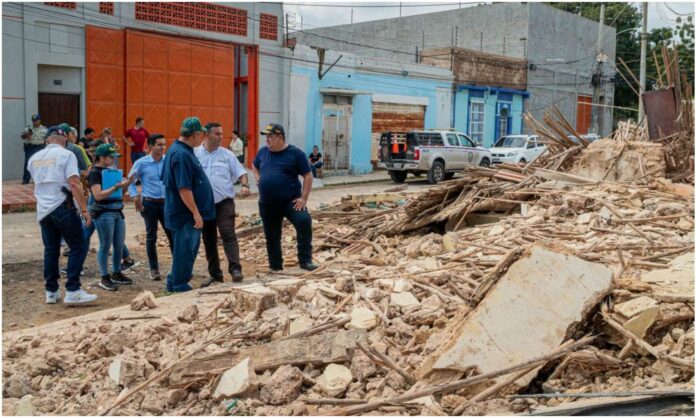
(52, 297)
(127, 265)
(237, 276)
(308, 266)
(119, 278)
(278, 270)
(210, 281)
(107, 284)
(155, 275)
(64, 270)
(79, 296)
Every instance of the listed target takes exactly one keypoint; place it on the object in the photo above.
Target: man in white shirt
(57, 179)
(222, 169)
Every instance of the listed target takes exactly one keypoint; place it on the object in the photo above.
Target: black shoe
(308, 266)
(107, 284)
(237, 276)
(278, 270)
(119, 278)
(210, 281)
(127, 265)
(155, 275)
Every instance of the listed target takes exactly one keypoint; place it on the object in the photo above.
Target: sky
(318, 15)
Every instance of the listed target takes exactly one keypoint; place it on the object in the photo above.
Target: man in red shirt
(136, 138)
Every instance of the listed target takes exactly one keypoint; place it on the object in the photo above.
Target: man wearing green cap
(188, 202)
(82, 160)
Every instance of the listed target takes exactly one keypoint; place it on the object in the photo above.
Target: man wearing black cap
(277, 168)
(57, 189)
(34, 137)
(188, 202)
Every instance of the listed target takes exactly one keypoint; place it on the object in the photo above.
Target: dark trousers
(186, 240)
(29, 151)
(66, 223)
(272, 217)
(153, 213)
(223, 222)
(135, 156)
(314, 167)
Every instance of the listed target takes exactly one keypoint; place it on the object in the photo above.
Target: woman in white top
(237, 146)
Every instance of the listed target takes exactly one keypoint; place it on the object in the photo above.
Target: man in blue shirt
(188, 202)
(277, 168)
(151, 204)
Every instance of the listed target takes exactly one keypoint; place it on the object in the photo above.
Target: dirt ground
(23, 299)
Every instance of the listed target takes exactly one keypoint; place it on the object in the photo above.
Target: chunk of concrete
(677, 279)
(635, 306)
(253, 298)
(584, 218)
(300, 324)
(25, 407)
(188, 315)
(498, 229)
(144, 300)
(286, 288)
(449, 242)
(363, 318)
(335, 380)
(237, 381)
(403, 300)
(526, 314)
(126, 371)
(283, 387)
(640, 323)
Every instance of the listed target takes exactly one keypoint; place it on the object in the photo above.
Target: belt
(150, 199)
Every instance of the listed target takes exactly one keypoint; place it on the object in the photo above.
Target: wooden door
(56, 108)
(584, 114)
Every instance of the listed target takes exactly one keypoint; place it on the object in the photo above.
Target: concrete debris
(403, 300)
(188, 315)
(635, 306)
(145, 300)
(253, 298)
(335, 380)
(25, 407)
(283, 387)
(363, 318)
(238, 381)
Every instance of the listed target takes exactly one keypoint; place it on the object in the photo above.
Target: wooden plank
(324, 348)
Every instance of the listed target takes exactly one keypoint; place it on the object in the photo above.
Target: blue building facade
(487, 113)
(341, 104)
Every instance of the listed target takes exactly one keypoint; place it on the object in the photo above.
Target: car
(516, 149)
(437, 153)
(587, 137)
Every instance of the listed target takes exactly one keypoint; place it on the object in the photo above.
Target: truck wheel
(398, 176)
(485, 163)
(436, 173)
(522, 161)
(449, 176)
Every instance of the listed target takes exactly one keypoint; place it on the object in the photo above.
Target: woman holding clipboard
(106, 186)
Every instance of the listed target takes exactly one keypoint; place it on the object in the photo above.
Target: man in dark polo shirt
(188, 201)
(277, 168)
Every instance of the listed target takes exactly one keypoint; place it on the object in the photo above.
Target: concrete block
(253, 298)
(237, 381)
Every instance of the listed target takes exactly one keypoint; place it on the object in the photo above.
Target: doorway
(56, 108)
(335, 141)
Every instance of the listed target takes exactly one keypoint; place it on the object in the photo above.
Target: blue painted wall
(492, 99)
(361, 128)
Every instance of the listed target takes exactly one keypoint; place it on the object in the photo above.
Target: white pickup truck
(516, 149)
(437, 153)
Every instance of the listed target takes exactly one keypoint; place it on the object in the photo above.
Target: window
(503, 123)
(203, 16)
(452, 139)
(65, 5)
(531, 144)
(268, 27)
(465, 141)
(476, 114)
(330, 98)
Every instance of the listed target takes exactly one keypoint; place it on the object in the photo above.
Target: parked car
(516, 149)
(437, 153)
(587, 137)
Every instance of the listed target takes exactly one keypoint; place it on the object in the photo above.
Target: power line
(677, 13)
(362, 5)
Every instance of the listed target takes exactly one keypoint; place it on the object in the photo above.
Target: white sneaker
(52, 297)
(79, 296)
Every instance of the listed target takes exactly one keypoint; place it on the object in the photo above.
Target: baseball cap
(56, 131)
(36, 117)
(65, 127)
(191, 125)
(106, 150)
(273, 128)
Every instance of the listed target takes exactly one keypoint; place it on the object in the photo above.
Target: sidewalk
(17, 197)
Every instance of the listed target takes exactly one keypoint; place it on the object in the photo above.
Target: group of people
(189, 191)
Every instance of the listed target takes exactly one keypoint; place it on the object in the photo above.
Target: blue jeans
(29, 151)
(187, 240)
(272, 217)
(111, 229)
(314, 167)
(66, 223)
(89, 231)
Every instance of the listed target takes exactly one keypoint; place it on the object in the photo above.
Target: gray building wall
(545, 36)
(41, 41)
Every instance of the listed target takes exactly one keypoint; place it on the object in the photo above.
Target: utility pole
(597, 77)
(643, 51)
(399, 9)
(351, 16)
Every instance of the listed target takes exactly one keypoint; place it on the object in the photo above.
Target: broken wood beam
(369, 351)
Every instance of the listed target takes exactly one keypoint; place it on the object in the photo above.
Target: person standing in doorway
(188, 202)
(150, 203)
(136, 138)
(34, 138)
(57, 189)
(315, 160)
(223, 169)
(277, 168)
(237, 146)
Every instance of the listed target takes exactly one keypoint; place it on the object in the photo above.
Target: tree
(685, 47)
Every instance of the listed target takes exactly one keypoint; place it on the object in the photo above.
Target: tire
(398, 176)
(436, 173)
(485, 162)
(449, 176)
(522, 161)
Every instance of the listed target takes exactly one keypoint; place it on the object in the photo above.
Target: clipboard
(110, 177)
